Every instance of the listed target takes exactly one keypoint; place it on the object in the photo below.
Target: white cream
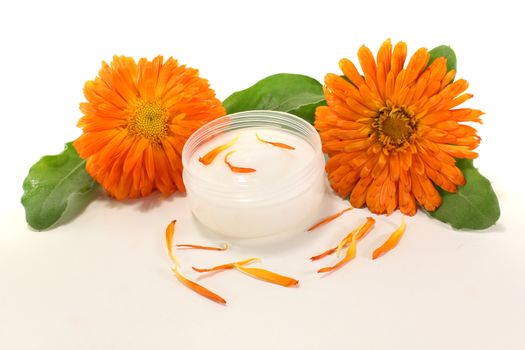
(281, 196)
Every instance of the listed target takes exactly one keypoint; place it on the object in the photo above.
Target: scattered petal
(392, 241)
(210, 156)
(276, 144)
(323, 254)
(226, 266)
(268, 276)
(328, 219)
(223, 247)
(365, 228)
(359, 232)
(198, 288)
(170, 230)
(237, 169)
(350, 254)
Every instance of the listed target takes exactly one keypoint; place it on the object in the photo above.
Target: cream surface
(272, 164)
(281, 196)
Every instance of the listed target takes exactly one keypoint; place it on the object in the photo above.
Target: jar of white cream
(281, 191)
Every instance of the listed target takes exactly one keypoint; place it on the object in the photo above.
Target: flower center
(394, 126)
(148, 119)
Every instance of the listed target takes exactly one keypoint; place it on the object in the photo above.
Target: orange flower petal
(170, 230)
(328, 219)
(131, 109)
(368, 64)
(268, 276)
(237, 169)
(365, 228)
(276, 144)
(194, 246)
(210, 156)
(198, 288)
(398, 58)
(323, 254)
(375, 123)
(350, 254)
(350, 71)
(392, 241)
(228, 266)
(384, 57)
(358, 232)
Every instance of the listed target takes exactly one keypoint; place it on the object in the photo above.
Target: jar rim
(246, 119)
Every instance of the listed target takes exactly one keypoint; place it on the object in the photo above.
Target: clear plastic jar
(282, 197)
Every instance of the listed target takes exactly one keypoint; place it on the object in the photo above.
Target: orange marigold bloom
(393, 132)
(136, 120)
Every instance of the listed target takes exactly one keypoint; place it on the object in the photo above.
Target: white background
(103, 281)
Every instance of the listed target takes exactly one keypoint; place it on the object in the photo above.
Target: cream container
(281, 196)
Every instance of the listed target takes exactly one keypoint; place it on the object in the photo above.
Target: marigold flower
(136, 120)
(393, 132)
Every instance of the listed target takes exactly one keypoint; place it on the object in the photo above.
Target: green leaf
(447, 52)
(56, 185)
(474, 206)
(293, 93)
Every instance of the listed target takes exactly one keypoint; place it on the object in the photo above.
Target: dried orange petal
(276, 144)
(350, 254)
(328, 219)
(392, 241)
(323, 254)
(365, 228)
(228, 266)
(210, 156)
(359, 232)
(170, 230)
(198, 288)
(268, 276)
(223, 247)
(237, 169)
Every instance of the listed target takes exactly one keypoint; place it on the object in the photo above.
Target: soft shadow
(498, 227)
(272, 243)
(143, 204)
(77, 204)
(275, 243)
